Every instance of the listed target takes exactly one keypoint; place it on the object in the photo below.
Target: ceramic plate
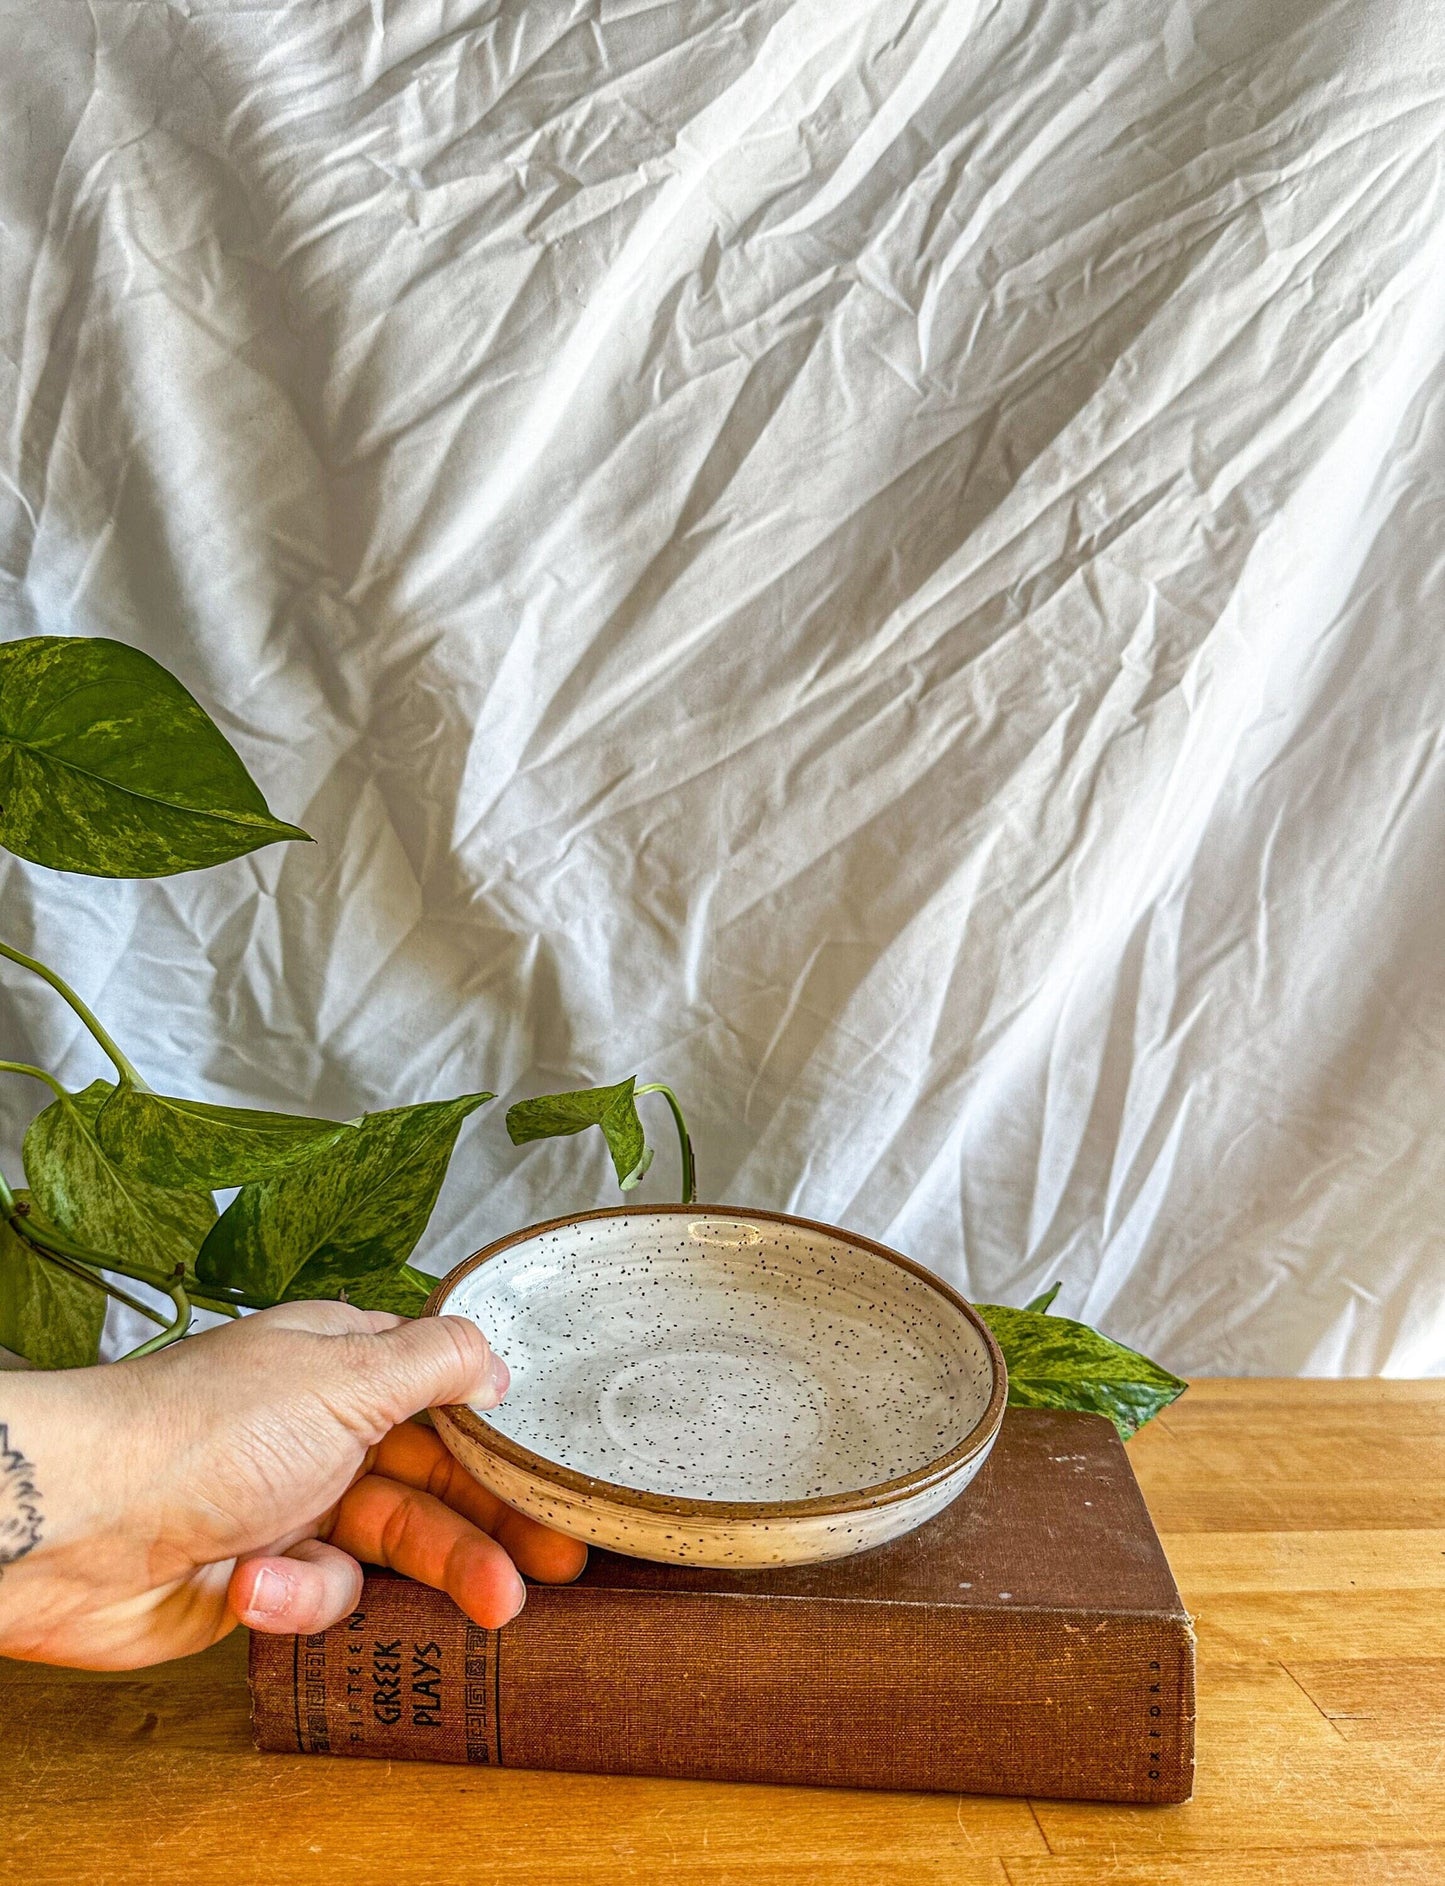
(722, 1387)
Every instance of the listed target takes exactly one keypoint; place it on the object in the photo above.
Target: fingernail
(268, 1594)
(497, 1381)
(521, 1599)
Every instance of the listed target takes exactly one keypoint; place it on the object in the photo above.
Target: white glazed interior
(724, 1357)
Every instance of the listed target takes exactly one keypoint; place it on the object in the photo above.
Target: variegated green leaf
(83, 1193)
(47, 1315)
(109, 767)
(403, 1292)
(347, 1217)
(1054, 1362)
(189, 1143)
(552, 1116)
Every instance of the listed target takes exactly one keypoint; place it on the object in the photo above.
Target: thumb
(426, 1363)
(309, 1588)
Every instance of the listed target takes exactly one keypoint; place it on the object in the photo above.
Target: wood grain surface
(1306, 1525)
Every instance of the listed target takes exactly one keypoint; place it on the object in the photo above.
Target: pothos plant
(110, 768)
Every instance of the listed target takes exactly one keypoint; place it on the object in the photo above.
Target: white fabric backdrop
(881, 560)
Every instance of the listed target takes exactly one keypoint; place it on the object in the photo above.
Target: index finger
(418, 1457)
(385, 1523)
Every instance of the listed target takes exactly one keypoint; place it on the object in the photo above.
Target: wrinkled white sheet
(881, 560)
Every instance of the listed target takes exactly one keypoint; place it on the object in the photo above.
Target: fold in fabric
(877, 560)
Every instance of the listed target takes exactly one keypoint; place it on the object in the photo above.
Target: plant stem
(46, 1238)
(21, 1225)
(216, 1304)
(54, 1243)
(175, 1290)
(64, 990)
(684, 1140)
(83, 1271)
(36, 1074)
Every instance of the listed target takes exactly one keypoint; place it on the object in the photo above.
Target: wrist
(59, 1476)
(22, 1508)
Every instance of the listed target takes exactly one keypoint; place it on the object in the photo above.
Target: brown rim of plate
(883, 1494)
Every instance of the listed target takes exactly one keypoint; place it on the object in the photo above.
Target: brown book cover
(1028, 1640)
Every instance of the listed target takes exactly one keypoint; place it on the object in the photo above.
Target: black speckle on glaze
(789, 1368)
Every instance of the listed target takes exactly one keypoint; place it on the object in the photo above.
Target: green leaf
(83, 1193)
(46, 1315)
(188, 1143)
(552, 1116)
(109, 767)
(1054, 1362)
(1045, 1300)
(347, 1217)
(403, 1292)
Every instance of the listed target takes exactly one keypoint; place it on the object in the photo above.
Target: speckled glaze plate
(730, 1388)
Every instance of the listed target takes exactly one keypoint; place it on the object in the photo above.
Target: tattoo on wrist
(21, 1519)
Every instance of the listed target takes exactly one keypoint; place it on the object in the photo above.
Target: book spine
(746, 1688)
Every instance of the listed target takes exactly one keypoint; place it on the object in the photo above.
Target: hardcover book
(1029, 1640)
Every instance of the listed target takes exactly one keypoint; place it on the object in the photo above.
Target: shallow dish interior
(725, 1357)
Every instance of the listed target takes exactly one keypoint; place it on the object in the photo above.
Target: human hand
(239, 1476)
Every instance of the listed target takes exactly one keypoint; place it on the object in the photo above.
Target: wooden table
(1306, 1525)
